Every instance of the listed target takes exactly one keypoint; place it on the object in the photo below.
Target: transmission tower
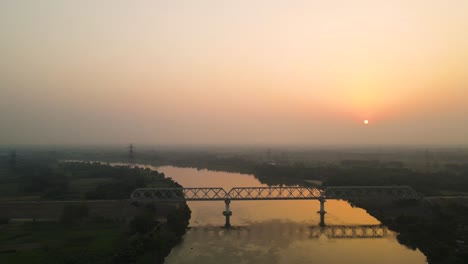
(131, 153)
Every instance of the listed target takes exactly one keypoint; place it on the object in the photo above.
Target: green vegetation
(150, 242)
(74, 213)
(80, 237)
(438, 231)
(448, 174)
(439, 234)
(93, 242)
(47, 179)
(47, 242)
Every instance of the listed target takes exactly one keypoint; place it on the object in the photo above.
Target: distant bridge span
(273, 193)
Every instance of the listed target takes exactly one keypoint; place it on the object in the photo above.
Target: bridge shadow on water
(274, 229)
(279, 241)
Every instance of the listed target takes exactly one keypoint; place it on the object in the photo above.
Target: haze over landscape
(234, 72)
(234, 131)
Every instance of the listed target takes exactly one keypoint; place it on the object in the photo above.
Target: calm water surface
(275, 231)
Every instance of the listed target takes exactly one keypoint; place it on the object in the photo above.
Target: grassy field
(79, 187)
(8, 189)
(38, 242)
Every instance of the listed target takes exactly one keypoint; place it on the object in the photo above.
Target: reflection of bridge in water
(304, 232)
(274, 193)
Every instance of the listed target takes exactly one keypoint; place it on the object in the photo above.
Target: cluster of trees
(143, 240)
(37, 176)
(435, 234)
(447, 178)
(273, 174)
(125, 180)
(153, 241)
(427, 183)
(34, 175)
(52, 180)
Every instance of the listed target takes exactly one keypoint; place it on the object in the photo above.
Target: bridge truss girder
(179, 194)
(274, 193)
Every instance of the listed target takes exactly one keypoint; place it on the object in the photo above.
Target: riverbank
(438, 228)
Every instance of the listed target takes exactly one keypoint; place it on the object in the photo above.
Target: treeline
(124, 179)
(34, 175)
(53, 180)
(451, 178)
(446, 179)
(441, 235)
(428, 183)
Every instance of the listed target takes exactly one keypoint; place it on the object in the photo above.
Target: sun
(366, 122)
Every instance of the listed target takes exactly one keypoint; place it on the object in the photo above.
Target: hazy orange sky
(234, 72)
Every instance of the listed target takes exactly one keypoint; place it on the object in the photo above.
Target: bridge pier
(227, 213)
(322, 212)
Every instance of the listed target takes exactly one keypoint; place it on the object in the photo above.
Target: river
(276, 231)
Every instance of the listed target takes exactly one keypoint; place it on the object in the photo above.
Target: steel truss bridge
(274, 193)
(314, 232)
